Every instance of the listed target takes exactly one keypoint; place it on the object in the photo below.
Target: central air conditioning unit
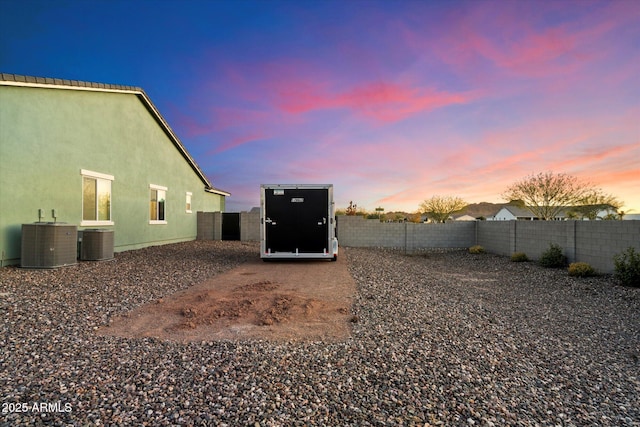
(48, 245)
(97, 245)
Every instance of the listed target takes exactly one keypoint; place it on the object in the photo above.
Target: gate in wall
(230, 226)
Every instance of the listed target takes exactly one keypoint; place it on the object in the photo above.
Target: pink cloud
(382, 101)
(520, 42)
(536, 54)
(597, 155)
(482, 172)
(295, 87)
(561, 141)
(555, 104)
(403, 198)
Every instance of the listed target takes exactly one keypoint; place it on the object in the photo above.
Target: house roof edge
(7, 79)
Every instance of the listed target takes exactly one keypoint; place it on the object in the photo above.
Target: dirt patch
(261, 303)
(283, 300)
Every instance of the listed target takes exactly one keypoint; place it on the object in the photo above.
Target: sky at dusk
(391, 101)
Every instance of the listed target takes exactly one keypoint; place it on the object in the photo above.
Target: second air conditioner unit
(96, 245)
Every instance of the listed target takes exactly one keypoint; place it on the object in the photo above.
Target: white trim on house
(92, 174)
(164, 189)
(157, 187)
(187, 202)
(97, 175)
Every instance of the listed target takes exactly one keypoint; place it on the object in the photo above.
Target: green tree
(440, 208)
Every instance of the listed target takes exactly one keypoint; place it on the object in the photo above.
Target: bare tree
(547, 194)
(440, 208)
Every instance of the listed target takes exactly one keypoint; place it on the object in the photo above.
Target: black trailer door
(297, 219)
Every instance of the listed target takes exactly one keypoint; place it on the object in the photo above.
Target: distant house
(513, 212)
(508, 213)
(96, 156)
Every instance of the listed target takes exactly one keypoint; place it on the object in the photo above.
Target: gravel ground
(442, 338)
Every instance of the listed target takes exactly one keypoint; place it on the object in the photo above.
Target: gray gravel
(442, 338)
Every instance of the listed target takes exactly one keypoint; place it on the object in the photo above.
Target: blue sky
(391, 101)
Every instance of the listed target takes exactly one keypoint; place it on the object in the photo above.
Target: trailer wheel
(335, 258)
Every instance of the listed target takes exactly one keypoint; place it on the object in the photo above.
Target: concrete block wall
(217, 225)
(204, 225)
(495, 236)
(209, 226)
(597, 242)
(250, 226)
(534, 237)
(449, 235)
(593, 242)
(357, 231)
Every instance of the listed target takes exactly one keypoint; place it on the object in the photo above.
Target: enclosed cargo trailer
(297, 221)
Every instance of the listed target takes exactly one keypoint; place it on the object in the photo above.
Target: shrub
(553, 257)
(477, 249)
(519, 257)
(581, 269)
(627, 267)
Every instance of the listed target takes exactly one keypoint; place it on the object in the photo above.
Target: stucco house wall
(54, 131)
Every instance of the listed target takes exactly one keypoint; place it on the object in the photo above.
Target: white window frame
(103, 176)
(188, 201)
(161, 188)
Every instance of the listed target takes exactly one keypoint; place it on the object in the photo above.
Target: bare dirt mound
(284, 300)
(260, 304)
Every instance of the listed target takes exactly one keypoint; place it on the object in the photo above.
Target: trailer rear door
(297, 220)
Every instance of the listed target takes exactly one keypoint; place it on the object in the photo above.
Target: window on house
(96, 198)
(157, 204)
(188, 202)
